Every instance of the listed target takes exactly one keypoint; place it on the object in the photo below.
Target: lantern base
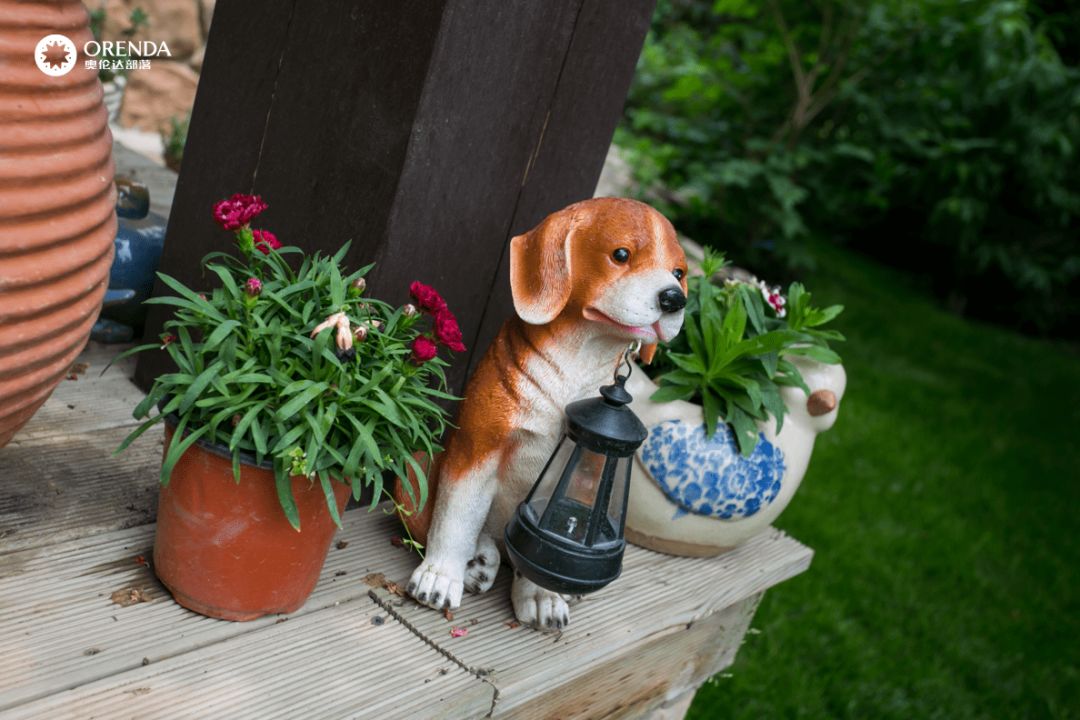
(556, 565)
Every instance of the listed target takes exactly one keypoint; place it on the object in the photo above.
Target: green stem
(402, 513)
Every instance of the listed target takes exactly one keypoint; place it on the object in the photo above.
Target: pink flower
(777, 301)
(265, 241)
(773, 297)
(253, 287)
(447, 331)
(238, 210)
(456, 632)
(427, 297)
(423, 349)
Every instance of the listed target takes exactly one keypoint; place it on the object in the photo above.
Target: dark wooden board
(584, 111)
(224, 142)
(490, 86)
(426, 132)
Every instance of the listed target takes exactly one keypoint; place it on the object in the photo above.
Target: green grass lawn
(942, 508)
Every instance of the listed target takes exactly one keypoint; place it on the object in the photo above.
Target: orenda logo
(55, 55)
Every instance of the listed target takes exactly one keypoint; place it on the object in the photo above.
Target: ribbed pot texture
(57, 207)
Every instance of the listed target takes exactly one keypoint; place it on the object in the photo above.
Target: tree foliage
(939, 134)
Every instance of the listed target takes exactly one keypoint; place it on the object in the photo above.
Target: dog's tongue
(659, 332)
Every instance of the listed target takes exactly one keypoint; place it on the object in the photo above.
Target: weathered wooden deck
(77, 522)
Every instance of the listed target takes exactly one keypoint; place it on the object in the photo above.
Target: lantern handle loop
(631, 349)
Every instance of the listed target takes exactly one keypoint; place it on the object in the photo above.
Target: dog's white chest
(541, 421)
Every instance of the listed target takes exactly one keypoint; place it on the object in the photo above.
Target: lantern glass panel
(572, 479)
(616, 509)
(540, 495)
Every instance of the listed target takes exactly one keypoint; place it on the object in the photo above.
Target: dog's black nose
(672, 300)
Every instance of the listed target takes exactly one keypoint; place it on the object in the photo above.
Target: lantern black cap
(605, 424)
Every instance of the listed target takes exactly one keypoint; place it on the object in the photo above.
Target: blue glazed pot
(138, 245)
(698, 496)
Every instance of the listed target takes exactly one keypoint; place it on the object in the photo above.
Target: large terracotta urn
(57, 218)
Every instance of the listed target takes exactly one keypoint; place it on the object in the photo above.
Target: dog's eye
(679, 273)
(621, 255)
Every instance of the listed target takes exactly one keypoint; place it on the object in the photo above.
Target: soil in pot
(226, 550)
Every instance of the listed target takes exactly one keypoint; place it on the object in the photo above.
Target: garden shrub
(938, 134)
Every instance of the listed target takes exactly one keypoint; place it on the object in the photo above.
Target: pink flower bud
(423, 349)
(447, 331)
(253, 287)
(265, 241)
(409, 310)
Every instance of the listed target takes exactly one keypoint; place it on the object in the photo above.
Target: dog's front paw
(539, 608)
(437, 585)
(480, 571)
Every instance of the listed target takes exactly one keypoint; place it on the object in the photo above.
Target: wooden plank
(88, 401)
(656, 595)
(69, 486)
(59, 628)
(348, 660)
(244, 51)
(568, 156)
(651, 681)
(500, 64)
(409, 128)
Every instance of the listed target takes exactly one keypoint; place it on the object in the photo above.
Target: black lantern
(567, 536)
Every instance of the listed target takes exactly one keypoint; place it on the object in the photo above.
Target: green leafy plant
(733, 354)
(300, 367)
(173, 141)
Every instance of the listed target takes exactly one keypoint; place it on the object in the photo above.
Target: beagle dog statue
(586, 282)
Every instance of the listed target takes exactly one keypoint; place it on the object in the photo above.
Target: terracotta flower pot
(57, 219)
(697, 496)
(226, 550)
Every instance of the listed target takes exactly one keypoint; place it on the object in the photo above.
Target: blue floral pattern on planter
(708, 476)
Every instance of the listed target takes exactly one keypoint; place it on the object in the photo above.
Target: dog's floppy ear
(647, 353)
(540, 269)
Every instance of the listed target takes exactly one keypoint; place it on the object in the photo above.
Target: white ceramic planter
(697, 496)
